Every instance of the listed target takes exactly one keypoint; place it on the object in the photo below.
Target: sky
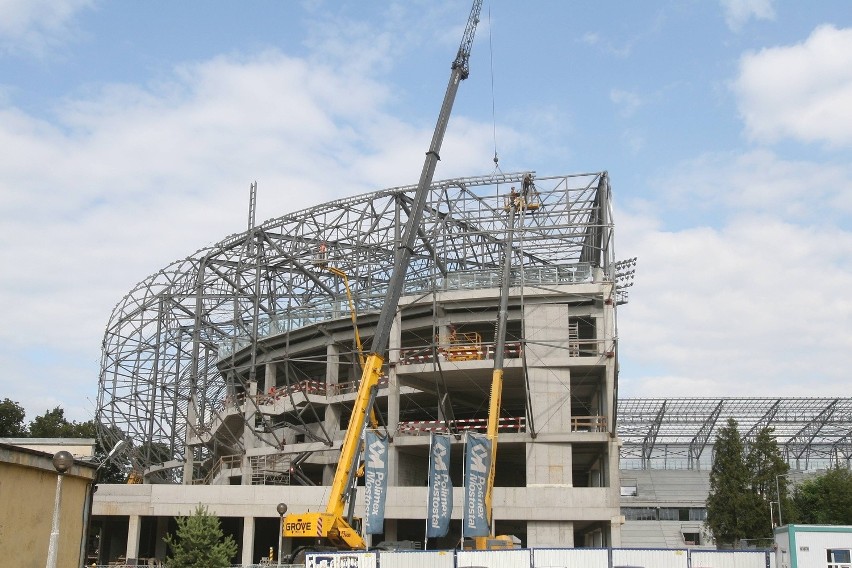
(131, 131)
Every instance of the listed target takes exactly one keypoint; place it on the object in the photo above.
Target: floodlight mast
(331, 526)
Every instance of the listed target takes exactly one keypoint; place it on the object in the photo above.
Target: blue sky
(132, 130)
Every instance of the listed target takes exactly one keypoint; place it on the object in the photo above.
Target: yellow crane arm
(332, 523)
(487, 542)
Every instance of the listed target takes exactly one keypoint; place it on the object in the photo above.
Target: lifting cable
(493, 106)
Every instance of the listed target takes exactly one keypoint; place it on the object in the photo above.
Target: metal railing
(224, 462)
(506, 424)
(333, 308)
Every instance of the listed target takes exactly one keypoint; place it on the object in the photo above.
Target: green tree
(765, 463)
(730, 499)
(198, 542)
(825, 499)
(53, 424)
(12, 419)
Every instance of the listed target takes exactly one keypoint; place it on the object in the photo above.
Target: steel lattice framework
(163, 350)
(674, 433)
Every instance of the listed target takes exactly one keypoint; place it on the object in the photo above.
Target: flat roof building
(29, 494)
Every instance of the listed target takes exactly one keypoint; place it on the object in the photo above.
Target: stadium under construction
(234, 373)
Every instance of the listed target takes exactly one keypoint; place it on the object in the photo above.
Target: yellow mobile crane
(331, 526)
(515, 205)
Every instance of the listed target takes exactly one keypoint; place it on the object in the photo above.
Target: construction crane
(321, 262)
(331, 526)
(516, 205)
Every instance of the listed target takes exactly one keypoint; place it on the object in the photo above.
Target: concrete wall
(536, 503)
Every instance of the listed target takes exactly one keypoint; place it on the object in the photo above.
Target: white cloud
(738, 12)
(627, 101)
(800, 91)
(758, 182)
(755, 304)
(34, 26)
(131, 178)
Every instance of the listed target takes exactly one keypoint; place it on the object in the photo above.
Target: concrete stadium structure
(237, 365)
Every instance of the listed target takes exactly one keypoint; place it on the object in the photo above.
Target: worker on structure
(513, 198)
(322, 256)
(526, 188)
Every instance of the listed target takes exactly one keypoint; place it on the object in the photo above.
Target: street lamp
(778, 493)
(282, 508)
(62, 462)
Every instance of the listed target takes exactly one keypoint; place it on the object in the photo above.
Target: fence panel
(417, 559)
(340, 560)
(649, 558)
(728, 559)
(570, 558)
(493, 558)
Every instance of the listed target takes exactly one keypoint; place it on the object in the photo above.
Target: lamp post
(62, 462)
(281, 508)
(778, 493)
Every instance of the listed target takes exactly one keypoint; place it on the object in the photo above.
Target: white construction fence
(547, 558)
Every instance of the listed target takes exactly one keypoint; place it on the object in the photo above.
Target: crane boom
(460, 71)
(331, 525)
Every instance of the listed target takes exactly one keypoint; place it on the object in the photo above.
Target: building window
(838, 558)
(692, 538)
(639, 513)
(683, 514)
(629, 488)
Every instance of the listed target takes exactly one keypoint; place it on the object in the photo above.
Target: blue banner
(440, 503)
(477, 463)
(375, 481)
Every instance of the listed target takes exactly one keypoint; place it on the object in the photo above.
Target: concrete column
(394, 344)
(192, 422)
(615, 531)
(331, 420)
(162, 530)
(249, 412)
(248, 541)
(332, 364)
(549, 382)
(613, 473)
(549, 464)
(393, 405)
(606, 338)
(270, 376)
(545, 534)
(132, 553)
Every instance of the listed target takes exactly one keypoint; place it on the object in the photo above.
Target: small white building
(813, 546)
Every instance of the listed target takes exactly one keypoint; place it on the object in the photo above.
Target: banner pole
(365, 528)
(464, 493)
(428, 490)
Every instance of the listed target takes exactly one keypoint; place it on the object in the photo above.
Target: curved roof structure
(168, 343)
